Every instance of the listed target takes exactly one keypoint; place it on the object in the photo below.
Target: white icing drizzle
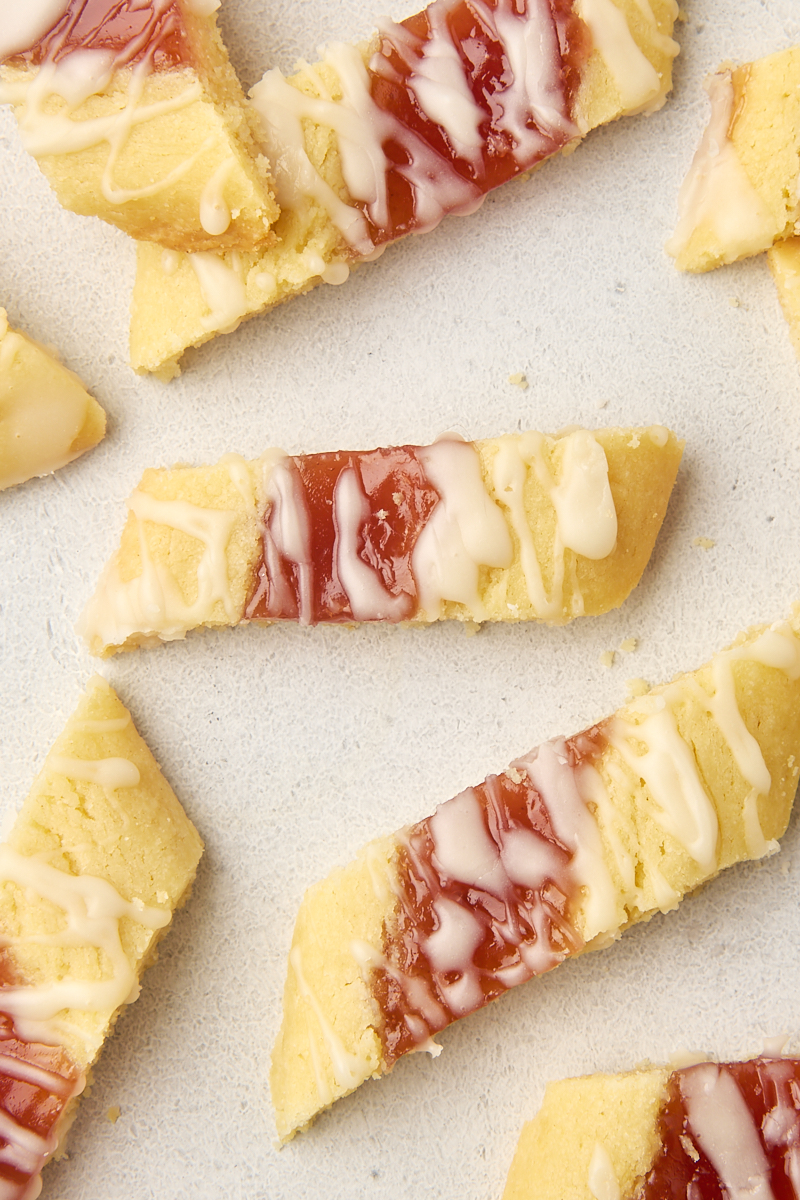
(668, 765)
(724, 1129)
(92, 909)
(440, 85)
(717, 192)
(24, 24)
(586, 519)
(466, 530)
(349, 1070)
(286, 534)
(284, 108)
(369, 599)
(638, 83)
(107, 772)
(669, 769)
(153, 602)
(602, 1181)
(553, 776)
(38, 425)
(215, 215)
(223, 290)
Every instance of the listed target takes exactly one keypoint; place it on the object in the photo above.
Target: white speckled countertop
(290, 748)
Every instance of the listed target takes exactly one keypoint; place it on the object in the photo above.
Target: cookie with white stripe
(523, 527)
(705, 1130)
(556, 855)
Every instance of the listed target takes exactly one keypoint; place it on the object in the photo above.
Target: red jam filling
(770, 1090)
(487, 72)
(133, 30)
(503, 933)
(400, 501)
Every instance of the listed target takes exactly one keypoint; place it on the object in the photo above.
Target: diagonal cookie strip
(560, 853)
(523, 527)
(135, 115)
(721, 1129)
(741, 192)
(98, 859)
(384, 139)
(47, 418)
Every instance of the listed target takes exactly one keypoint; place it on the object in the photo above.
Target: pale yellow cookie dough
(47, 418)
(169, 155)
(741, 193)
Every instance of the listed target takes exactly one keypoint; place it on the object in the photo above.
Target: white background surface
(290, 748)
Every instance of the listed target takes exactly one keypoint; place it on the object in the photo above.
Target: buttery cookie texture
(99, 857)
(47, 418)
(385, 138)
(558, 854)
(514, 528)
(741, 193)
(784, 263)
(702, 1131)
(135, 115)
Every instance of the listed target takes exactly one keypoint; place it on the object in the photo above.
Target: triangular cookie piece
(98, 859)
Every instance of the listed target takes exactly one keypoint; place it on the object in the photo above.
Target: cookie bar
(135, 115)
(47, 418)
(99, 857)
(709, 1129)
(384, 139)
(558, 854)
(741, 192)
(514, 528)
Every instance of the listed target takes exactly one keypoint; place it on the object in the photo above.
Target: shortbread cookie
(784, 263)
(47, 418)
(741, 192)
(706, 1130)
(135, 115)
(560, 853)
(384, 139)
(514, 528)
(99, 857)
